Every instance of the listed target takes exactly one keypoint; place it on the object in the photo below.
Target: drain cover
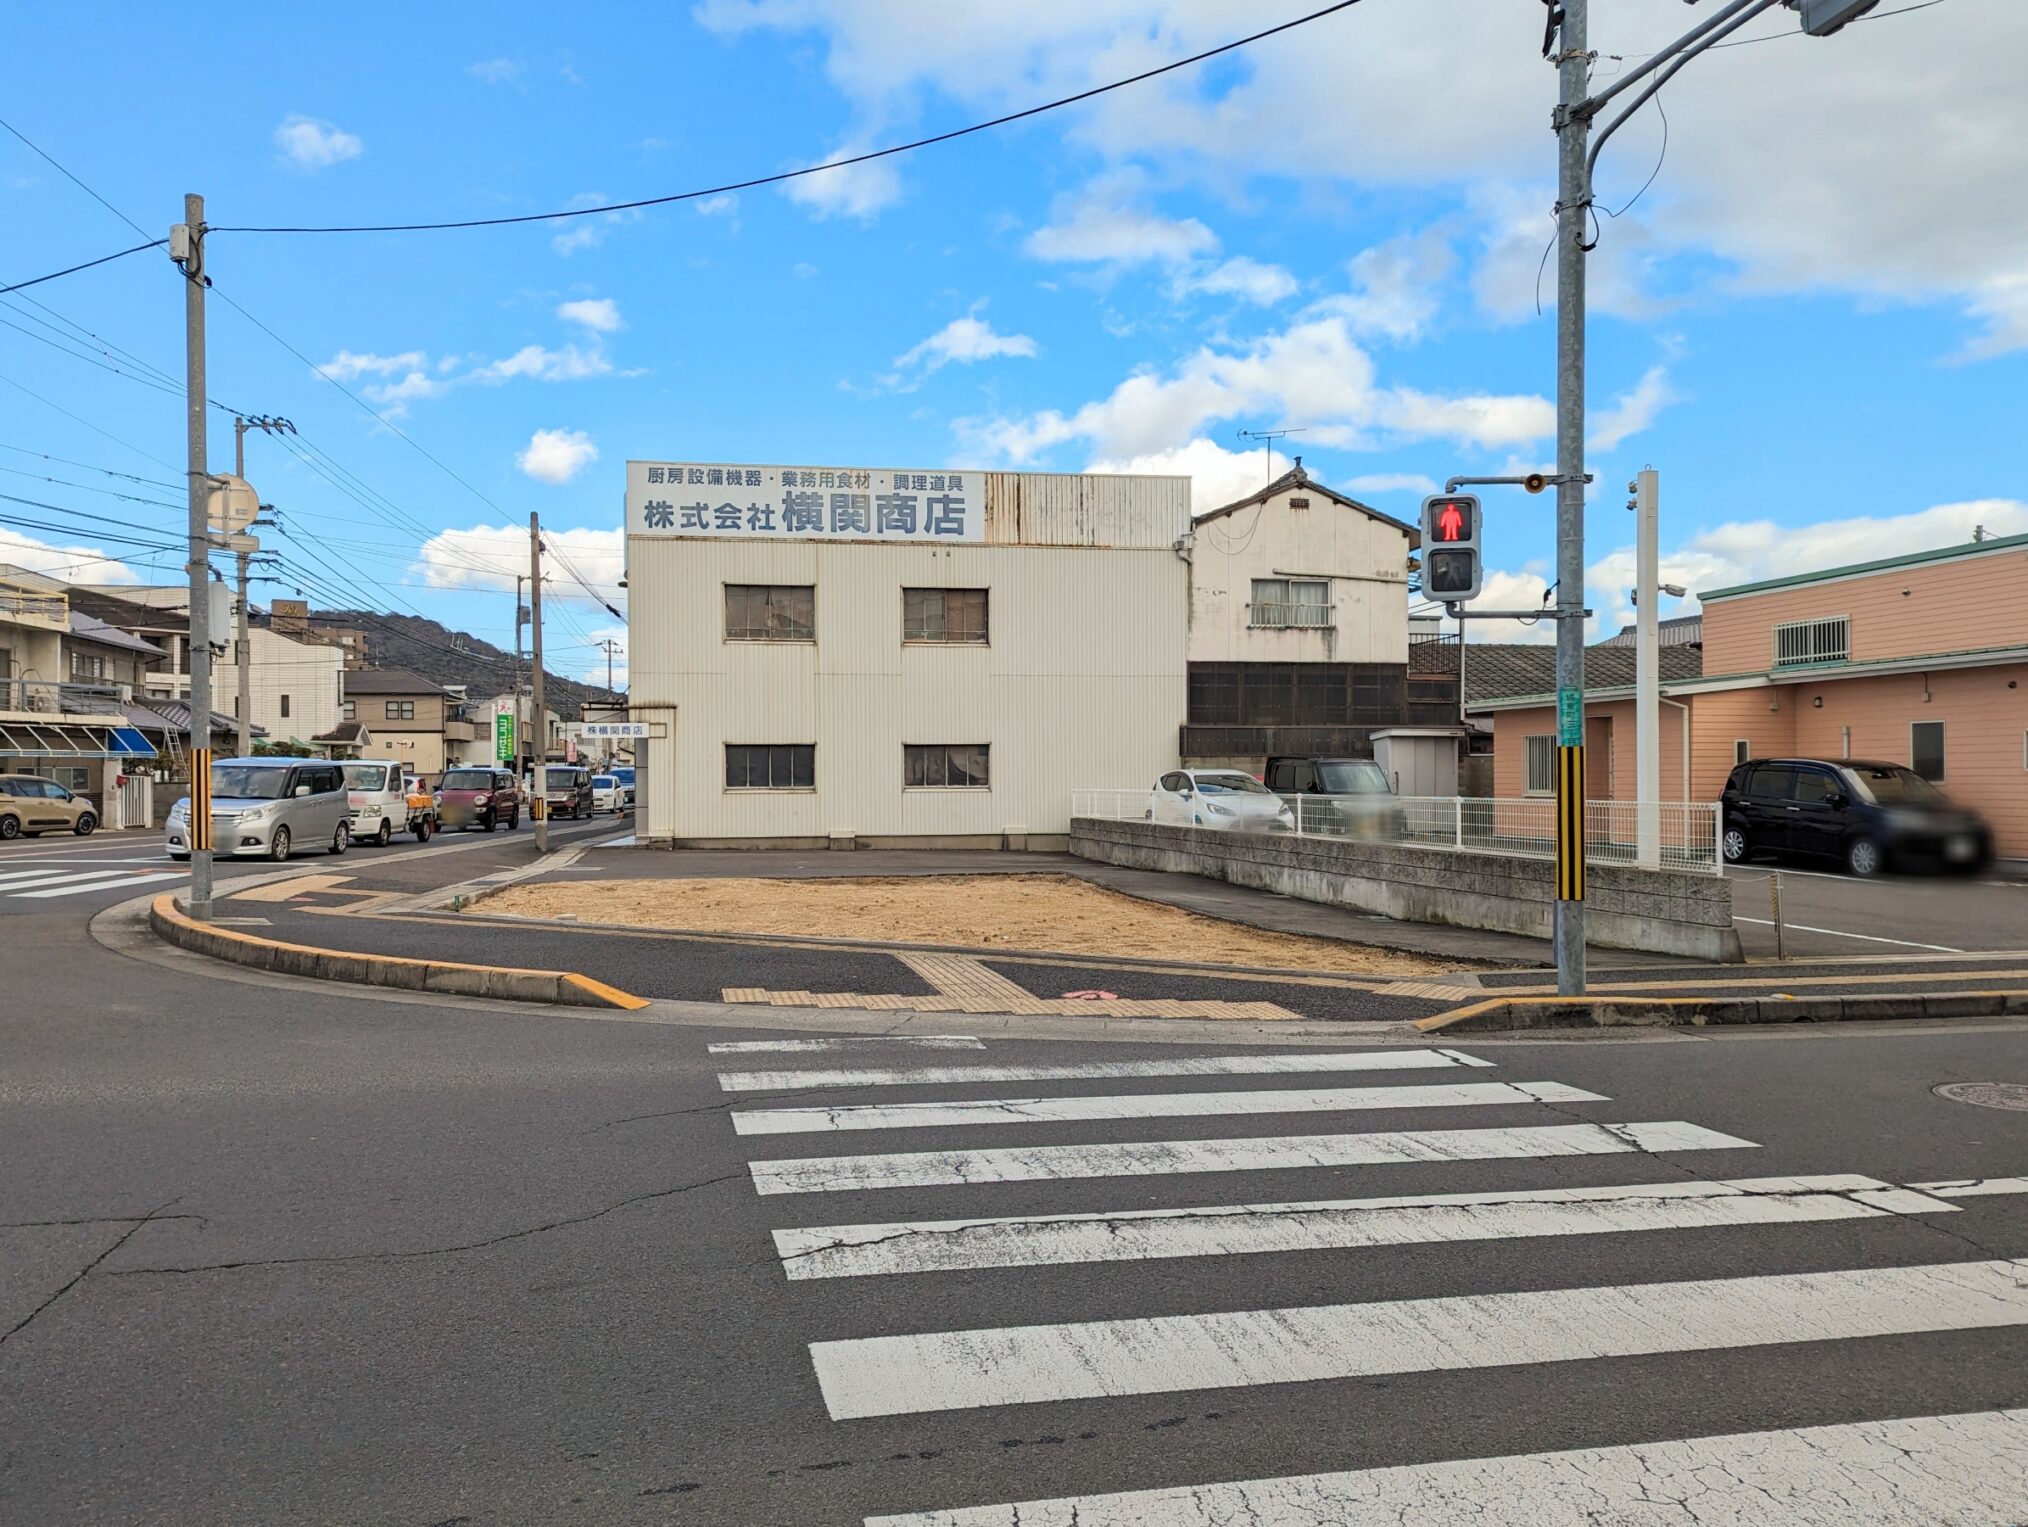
(1986, 1094)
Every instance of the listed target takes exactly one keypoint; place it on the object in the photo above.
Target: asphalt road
(281, 1254)
(1835, 915)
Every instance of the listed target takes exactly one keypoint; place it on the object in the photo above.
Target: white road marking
(1055, 1163)
(852, 1251)
(1024, 1365)
(1968, 1470)
(1972, 1187)
(786, 1121)
(122, 882)
(847, 1042)
(1763, 922)
(14, 885)
(1284, 1064)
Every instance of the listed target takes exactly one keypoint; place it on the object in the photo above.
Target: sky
(1809, 292)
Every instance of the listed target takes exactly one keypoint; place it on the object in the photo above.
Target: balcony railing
(41, 698)
(1267, 613)
(25, 606)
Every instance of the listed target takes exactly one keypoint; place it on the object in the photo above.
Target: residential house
(1918, 659)
(1299, 629)
(410, 717)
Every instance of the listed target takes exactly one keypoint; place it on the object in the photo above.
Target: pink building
(1919, 660)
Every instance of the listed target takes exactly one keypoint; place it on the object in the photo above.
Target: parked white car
(608, 794)
(1226, 799)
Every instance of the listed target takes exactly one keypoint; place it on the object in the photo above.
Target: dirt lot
(1058, 913)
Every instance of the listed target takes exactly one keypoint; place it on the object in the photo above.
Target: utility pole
(245, 548)
(1648, 674)
(540, 808)
(520, 619)
(186, 247)
(610, 647)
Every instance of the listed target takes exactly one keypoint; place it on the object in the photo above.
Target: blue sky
(1813, 323)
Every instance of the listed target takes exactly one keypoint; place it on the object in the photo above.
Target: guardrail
(1522, 828)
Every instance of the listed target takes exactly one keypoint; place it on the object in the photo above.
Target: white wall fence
(1522, 828)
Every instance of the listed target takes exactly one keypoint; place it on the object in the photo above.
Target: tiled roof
(1503, 670)
(388, 681)
(90, 628)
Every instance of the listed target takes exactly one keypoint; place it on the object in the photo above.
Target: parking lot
(1829, 915)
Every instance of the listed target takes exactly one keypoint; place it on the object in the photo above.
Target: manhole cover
(1986, 1094)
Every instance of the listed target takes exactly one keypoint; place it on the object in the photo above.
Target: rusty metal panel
(1085, 509)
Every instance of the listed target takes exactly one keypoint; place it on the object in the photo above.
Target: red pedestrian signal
(1450, 547)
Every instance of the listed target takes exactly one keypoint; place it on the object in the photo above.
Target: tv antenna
(1268, 437)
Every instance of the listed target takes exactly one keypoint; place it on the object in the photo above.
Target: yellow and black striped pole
(1570, 823)
(200, 800)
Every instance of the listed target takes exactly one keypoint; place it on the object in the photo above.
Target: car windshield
(603, 782)
(365, 776)
(1353, 778)
(247, 782)
(1892, 785)
(1230, 784)
(467, 779)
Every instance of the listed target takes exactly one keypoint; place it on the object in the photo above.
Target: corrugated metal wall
(1079, 509)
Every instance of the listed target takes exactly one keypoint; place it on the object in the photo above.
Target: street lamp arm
(1648, 66)
(1727, 23)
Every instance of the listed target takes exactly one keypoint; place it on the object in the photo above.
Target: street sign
(1570, 717)
(1450, 547)
(621, 729)
(231, 504)
(503, 737)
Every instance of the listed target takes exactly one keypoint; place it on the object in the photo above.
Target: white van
(377, 796)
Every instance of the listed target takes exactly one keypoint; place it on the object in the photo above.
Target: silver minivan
(269, 807)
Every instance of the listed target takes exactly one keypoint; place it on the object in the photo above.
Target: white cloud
(1631, 412)
(570, 364)
(1392, 482)
(495, 71)
(1217, 476)
(349, 365)
(310, 143)
(722, 205)
(596, 669)
(71, 562)
(1396, 285)
(489, 557)
(1262, 285)
(964, 340)
(853, 190)
(598, 313)
(1100, 226)
(586, 229)
(557, 455)
(803, 270)
(1522, 590)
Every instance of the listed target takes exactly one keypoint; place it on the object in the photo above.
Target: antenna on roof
(1268, 437)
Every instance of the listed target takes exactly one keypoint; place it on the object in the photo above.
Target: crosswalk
(1969, 1468)
(43, 880)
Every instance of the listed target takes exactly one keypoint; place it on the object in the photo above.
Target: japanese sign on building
(503, 736)
(608, 729)
(698, 499)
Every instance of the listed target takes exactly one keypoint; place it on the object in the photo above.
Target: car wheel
(1863, 857)
(341, 839)
(487, 823)
(278, 845)
(386, 833)
(1733, 844)
(10, 827)
(84, 825)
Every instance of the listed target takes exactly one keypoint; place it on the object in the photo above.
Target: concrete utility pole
(244, 549)
(520, 619)
(610, 647)
(1648, 674)
(186, 247)
(540, 807)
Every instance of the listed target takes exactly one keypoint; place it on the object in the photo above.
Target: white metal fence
(1686, 831)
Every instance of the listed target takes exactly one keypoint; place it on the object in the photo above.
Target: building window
(1798, 643)
(1742, 749)
(87, 667)
(1541, 764)
(765, 612)
(770, 766)
(1926, 749)
(401, 710)
(1291, 602)
(285, 706)
(348, 710)
(946, 766)
(943, 615)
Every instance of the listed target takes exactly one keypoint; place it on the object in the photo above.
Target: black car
(1344, 797)
(1864, 815)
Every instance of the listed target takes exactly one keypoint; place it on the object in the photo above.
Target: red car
(478, 797)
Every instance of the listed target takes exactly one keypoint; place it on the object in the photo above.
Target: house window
(766, 612)
(945, 766)
(1291, 602)
(1926, 749)
(348, 710)
(943, 615)
(285, 706)
(1540, 764)
(1742, 749)
(770, 766)
(1801, 642)
(401, 710)
(87, 666)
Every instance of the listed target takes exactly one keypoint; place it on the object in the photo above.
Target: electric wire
(71, 270)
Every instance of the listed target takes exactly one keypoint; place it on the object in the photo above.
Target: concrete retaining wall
(1656, 911)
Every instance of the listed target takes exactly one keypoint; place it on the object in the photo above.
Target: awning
(128, 742)
(49, 739)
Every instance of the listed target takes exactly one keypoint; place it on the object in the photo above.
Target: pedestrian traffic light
(1450, 547)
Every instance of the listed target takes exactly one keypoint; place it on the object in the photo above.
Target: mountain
(444, 656)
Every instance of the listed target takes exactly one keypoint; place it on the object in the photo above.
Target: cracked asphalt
(274, 1253)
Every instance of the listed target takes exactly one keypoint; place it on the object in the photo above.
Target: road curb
(553, 987)
(1501, 1015)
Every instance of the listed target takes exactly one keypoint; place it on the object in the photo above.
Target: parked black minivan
(1864, 815)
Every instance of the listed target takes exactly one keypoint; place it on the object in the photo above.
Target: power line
(90, 360)
(833, 164)
(153, 482)
(87, 423)
(71, 270)
(66, 174)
